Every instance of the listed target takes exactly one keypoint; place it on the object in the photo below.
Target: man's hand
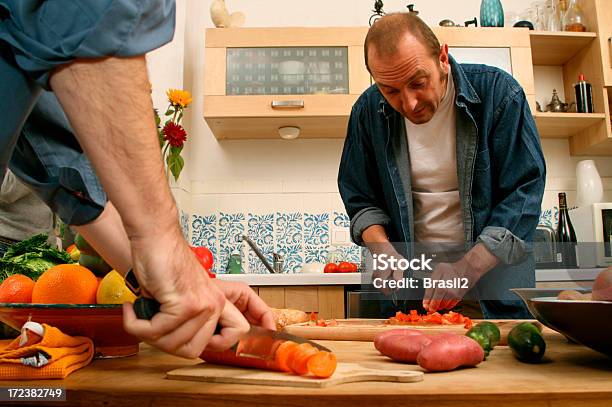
(255, 310)
(475, 264)
(191, 304)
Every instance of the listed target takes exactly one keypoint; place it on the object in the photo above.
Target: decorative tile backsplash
(298, 237)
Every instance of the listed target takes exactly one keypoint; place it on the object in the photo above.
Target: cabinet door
(604, 23)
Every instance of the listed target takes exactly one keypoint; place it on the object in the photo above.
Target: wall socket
(340, 236)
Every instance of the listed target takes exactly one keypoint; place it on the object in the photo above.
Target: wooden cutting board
(366, 329)
(345, 373)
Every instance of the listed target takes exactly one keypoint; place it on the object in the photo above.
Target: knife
(258, 342)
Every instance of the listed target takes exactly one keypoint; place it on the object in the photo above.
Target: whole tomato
(345, 267)
(205, 257)
(331, 268)
(354, 268)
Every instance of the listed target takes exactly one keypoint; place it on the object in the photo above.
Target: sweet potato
(404, 348)
(381, 337)
(602, 287)
(448, 352)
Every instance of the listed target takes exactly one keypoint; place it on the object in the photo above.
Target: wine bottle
(566, 236)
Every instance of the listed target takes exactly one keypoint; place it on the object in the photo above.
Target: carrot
(284, 354)
(323, 364)
(301, 355)
(229, 358)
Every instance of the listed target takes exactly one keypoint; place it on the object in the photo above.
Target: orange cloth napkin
(43, 352)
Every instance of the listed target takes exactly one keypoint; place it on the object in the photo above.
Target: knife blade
(258, 342)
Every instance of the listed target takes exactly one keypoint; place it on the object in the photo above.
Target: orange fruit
(16, 288)
(66, 284)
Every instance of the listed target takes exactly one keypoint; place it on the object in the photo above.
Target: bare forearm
(480, 260)
(107, 235)
(109, 105)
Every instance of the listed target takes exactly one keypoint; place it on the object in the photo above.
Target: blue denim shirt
(500, 165)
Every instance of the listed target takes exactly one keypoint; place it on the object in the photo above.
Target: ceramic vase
(491, 13)
(589, 189)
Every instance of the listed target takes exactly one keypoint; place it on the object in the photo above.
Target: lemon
(112, 290)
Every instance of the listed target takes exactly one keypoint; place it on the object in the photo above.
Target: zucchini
(527, 343)
(486, 334)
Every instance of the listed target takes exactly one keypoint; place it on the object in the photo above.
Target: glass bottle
(566, 236)
(552, 16)
(574, 18)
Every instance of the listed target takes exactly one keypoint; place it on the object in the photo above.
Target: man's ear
(444, 59)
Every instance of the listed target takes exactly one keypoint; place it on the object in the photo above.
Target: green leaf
(180, 116)
(169, 112)
(161, 137)
(157, 118)
(176, 150)
(175, 164)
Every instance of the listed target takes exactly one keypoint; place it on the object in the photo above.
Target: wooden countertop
(572, 375)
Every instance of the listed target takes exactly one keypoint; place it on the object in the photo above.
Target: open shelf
(564, 125)
(556, 48)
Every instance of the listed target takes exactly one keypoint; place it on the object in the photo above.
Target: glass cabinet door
(287, 71)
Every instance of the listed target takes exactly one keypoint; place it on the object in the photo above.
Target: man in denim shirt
(91, 56)
(444, 153)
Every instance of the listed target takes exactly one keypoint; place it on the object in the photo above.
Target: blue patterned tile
(341, 220)
(231, 229)
(351, 253)
(184, 220)
(316, 229)
(261, 229)
(205, 234)
(288, 229)
(316, 254)
(293, 257)
(255, 265)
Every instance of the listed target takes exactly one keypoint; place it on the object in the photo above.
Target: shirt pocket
(483, 161)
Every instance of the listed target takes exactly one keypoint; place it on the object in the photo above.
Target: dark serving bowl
(586, 322)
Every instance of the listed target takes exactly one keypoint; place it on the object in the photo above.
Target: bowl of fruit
(71, 298)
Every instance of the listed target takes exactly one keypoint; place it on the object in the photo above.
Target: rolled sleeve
(506, 246)
(43, 35)
(366, 218)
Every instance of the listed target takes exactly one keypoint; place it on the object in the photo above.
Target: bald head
(387, 33)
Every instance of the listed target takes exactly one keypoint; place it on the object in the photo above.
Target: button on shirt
(433, 169)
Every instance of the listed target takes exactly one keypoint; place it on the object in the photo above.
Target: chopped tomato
(413, 317)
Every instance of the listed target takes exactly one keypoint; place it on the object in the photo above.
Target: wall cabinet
(260, 79)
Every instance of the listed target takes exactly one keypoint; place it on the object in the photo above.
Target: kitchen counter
(571, 375)
(542, 275)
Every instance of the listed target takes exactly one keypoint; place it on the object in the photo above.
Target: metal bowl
(585, 322)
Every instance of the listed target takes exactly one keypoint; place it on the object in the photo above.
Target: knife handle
(146, 308)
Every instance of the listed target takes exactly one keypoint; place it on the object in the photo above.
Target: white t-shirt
(433, 169)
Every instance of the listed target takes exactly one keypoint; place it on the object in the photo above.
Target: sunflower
(179, 97)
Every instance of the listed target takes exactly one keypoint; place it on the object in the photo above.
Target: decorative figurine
(222, 18)
(378, 12)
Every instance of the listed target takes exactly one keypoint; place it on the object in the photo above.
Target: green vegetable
(526, 342)
(96, 265)
(482, 338)
(31, 257)
(486, 334)
(492, 331)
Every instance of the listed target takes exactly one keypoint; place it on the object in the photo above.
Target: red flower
(175, 134)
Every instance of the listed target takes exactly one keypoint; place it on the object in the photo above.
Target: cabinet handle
(287, 104)
(610, 50)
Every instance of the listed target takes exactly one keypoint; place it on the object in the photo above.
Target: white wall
(269, 175)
